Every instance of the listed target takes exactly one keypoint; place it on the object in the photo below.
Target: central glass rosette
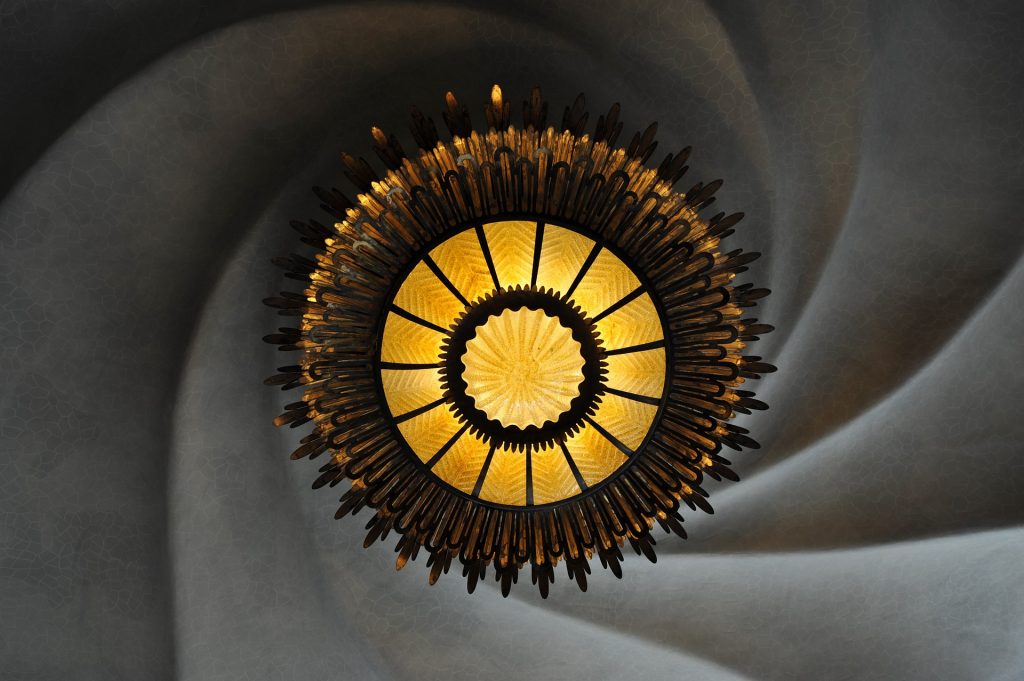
(523, 368)
(523, 363)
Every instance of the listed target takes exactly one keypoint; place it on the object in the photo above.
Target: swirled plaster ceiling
(153, 154)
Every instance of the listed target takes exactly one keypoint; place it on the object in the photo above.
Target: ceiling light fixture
(522, 347)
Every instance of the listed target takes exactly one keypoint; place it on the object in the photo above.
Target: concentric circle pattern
(532, 218)
(525, 367)
(154, 154)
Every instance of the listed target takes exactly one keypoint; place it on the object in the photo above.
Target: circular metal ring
(533, 436)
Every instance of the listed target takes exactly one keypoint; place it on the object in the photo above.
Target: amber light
(522, 347)
(522, 367)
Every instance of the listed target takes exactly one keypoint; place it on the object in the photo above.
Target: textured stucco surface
(151, 526)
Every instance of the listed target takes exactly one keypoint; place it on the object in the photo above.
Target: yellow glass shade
(462, 261)
(562, 255)
(406, 342)
(607, 281)
(511, 246)
(429, 430)
(427, 298)
(407, 390)
(522, 367)
(485, 350)
(640, 373)
(626, 419)
(553, 479)
(461, 465)
(595, 455)
(505, 482)
(633, 324)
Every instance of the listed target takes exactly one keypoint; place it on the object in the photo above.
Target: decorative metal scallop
(522, 347)
(562, 348)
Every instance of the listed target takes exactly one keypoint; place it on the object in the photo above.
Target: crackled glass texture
(523, 368)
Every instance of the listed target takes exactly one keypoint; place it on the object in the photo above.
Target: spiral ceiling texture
(151, 524)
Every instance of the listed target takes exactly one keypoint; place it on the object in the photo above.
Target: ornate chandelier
(522, 347)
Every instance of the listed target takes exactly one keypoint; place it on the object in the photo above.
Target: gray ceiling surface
(151, 525)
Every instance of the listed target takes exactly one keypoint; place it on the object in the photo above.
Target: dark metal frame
(599, 243)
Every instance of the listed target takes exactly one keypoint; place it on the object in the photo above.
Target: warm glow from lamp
(521, 345)
(522, 368)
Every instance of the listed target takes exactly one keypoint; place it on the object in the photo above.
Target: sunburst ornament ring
(522, 346)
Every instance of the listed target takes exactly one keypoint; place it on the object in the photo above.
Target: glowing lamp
(521, 348)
